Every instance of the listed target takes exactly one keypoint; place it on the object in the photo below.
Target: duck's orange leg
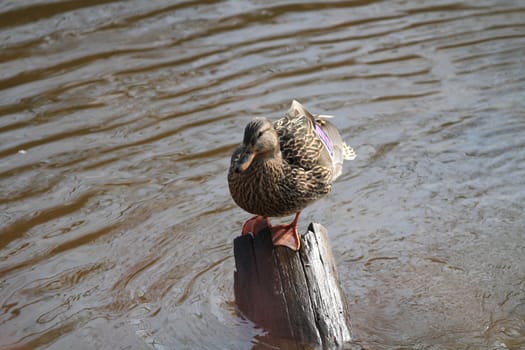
(286, 234)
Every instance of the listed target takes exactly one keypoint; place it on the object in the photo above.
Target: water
(117, 120)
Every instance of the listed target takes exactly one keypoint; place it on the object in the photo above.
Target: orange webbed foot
(286, 234)
(254, 225)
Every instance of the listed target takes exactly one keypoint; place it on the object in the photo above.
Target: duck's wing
(309, 140)
(299, 137)
(338, 150)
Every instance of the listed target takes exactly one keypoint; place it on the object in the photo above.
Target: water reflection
(117, 120)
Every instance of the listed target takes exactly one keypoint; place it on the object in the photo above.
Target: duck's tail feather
(348, 152)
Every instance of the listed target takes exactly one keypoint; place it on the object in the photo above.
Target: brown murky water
(117, 119)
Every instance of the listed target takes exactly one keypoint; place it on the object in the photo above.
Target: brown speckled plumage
(283, 166)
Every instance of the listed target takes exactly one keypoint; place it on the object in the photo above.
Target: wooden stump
(294, 295)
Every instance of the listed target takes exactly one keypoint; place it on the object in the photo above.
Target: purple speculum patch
(324, 137)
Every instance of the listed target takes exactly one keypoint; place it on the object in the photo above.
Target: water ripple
(117, 121)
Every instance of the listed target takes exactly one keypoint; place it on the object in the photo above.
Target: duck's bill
(245, 161)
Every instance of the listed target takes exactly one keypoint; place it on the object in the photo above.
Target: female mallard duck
(283, 166)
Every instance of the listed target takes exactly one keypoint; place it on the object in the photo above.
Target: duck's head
(260, 141)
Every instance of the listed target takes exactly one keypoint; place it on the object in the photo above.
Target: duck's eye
(259, 134)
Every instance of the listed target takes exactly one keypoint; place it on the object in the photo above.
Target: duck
(282, 166)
